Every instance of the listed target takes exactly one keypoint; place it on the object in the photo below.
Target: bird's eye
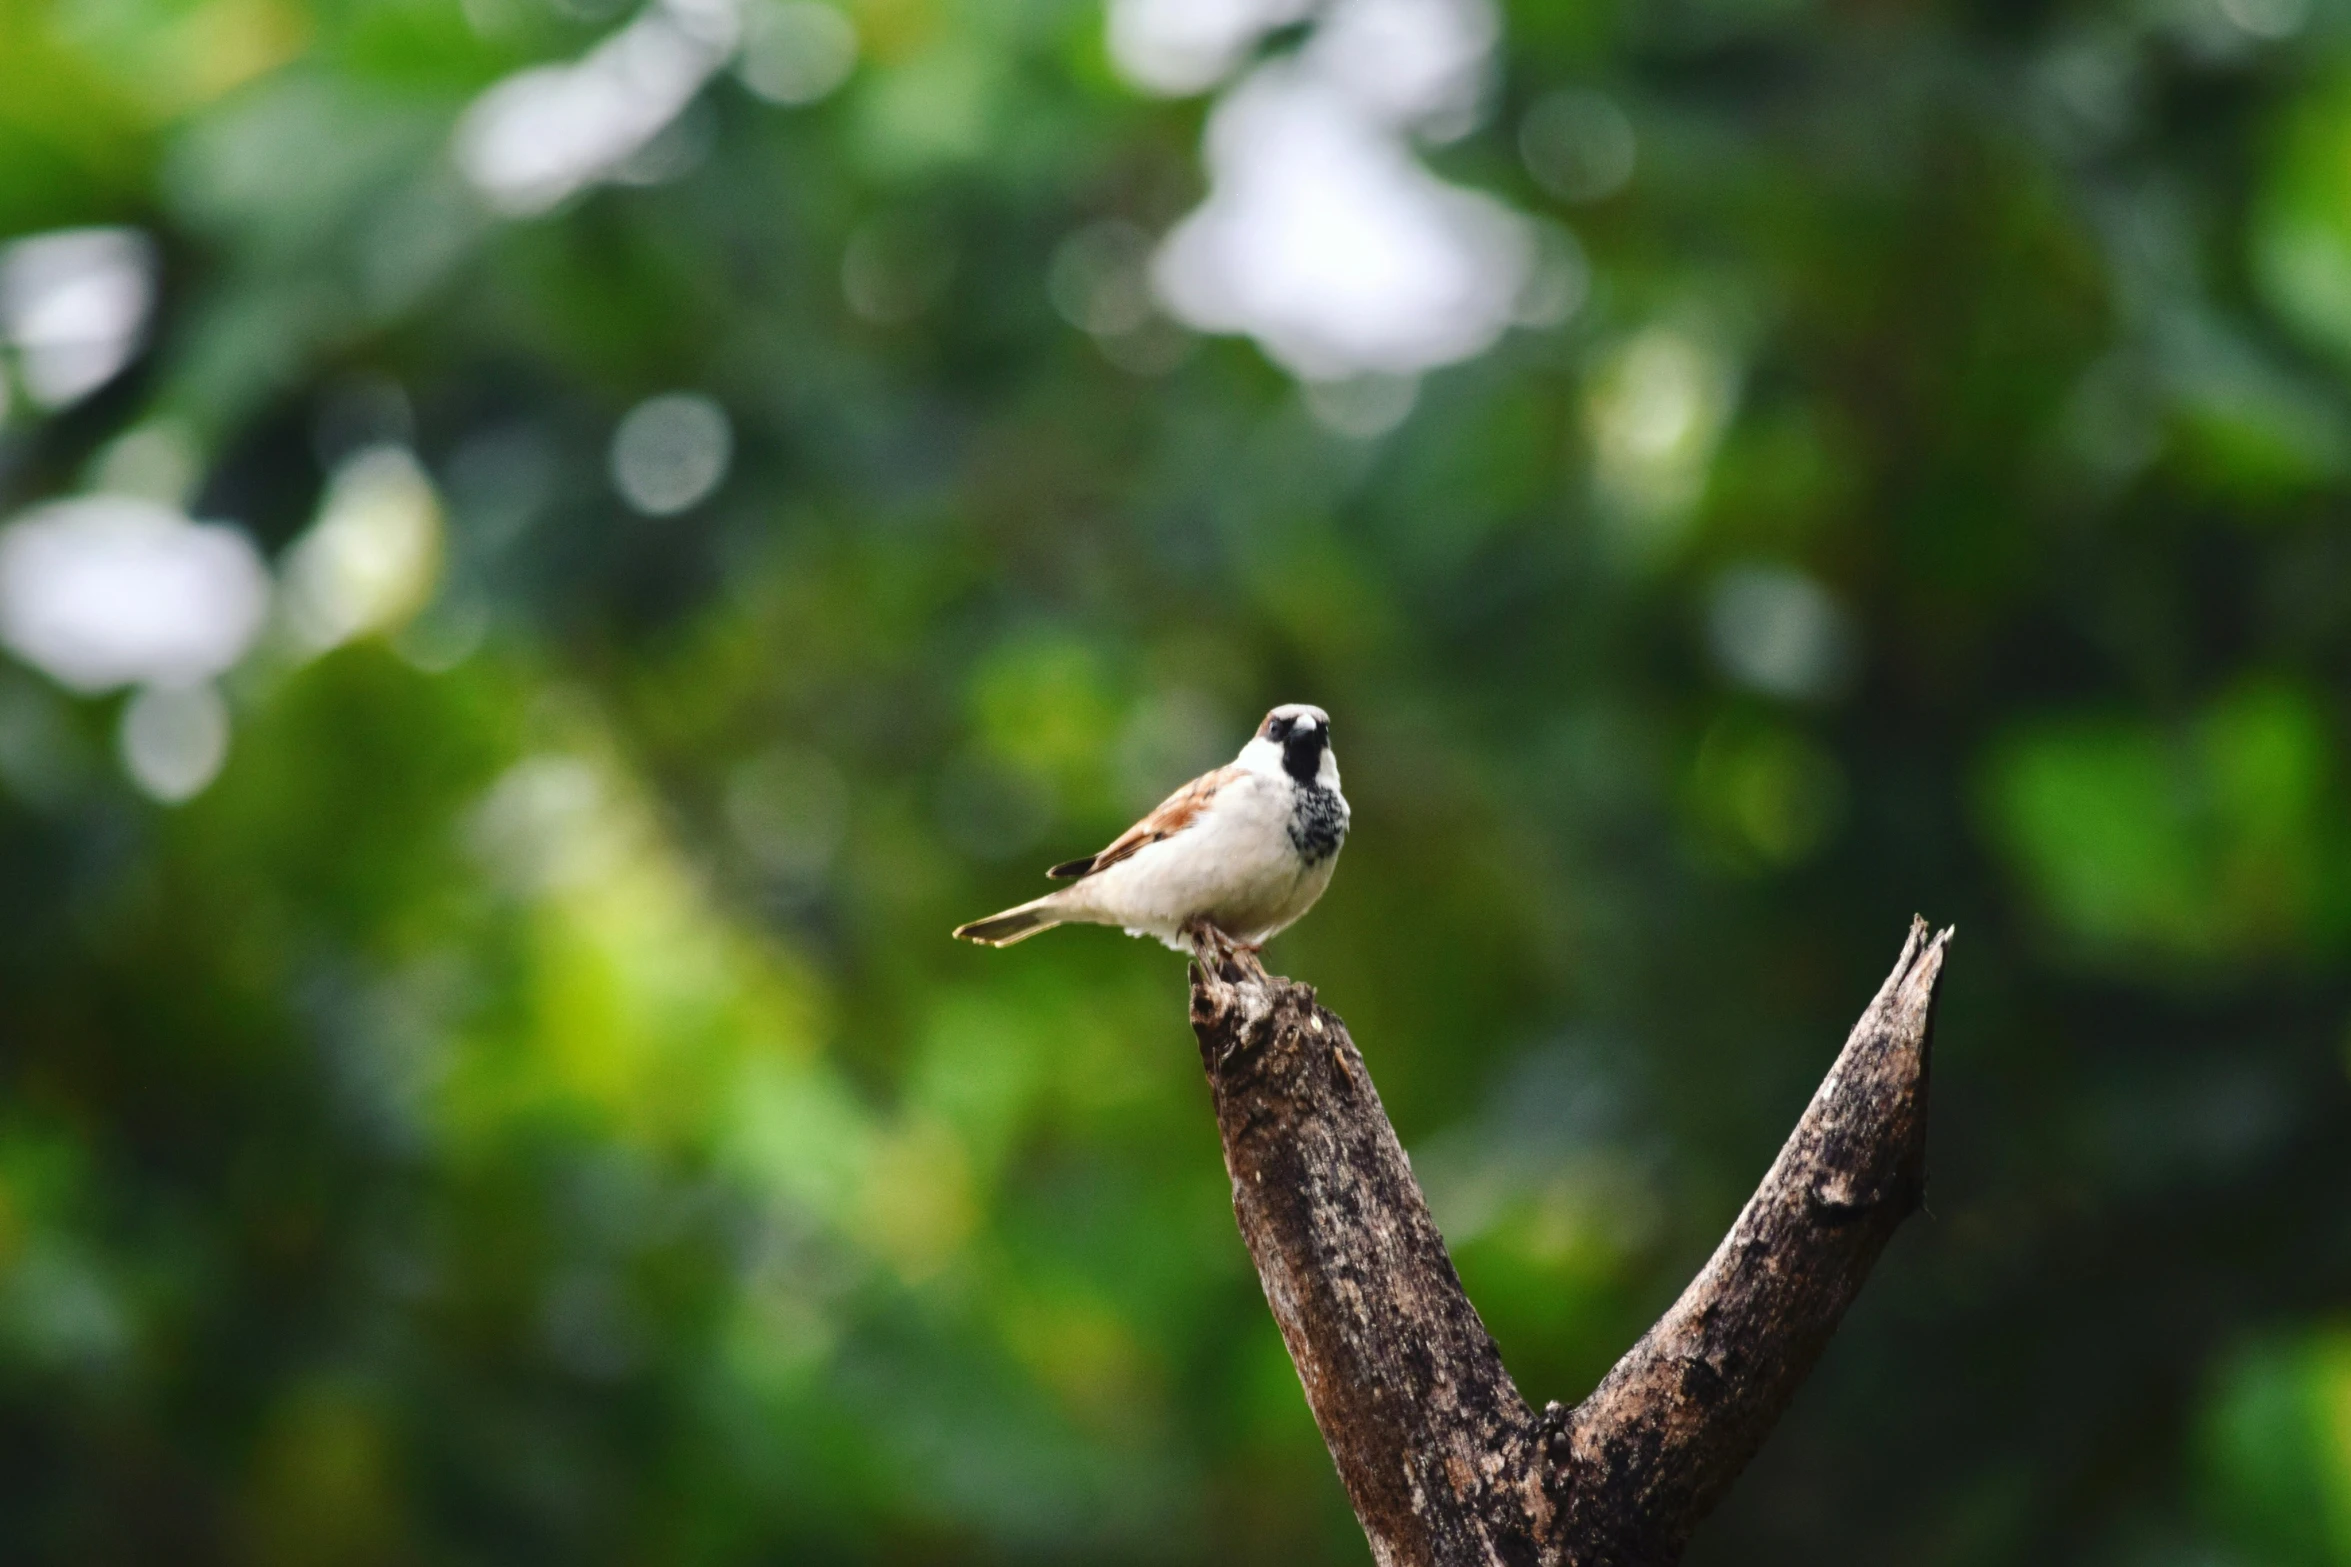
(1279, 729)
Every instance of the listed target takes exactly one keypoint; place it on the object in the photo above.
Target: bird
(1245, 849)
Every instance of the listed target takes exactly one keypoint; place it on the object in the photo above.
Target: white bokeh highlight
(74, 306)
(106, 591)
(1323, 236)
(1418, 64)
(1180, 47)
(541, 135)
(1325, 239)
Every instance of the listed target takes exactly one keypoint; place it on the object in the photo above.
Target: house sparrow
(1246, 849)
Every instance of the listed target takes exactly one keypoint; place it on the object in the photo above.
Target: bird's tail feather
(1002, 930)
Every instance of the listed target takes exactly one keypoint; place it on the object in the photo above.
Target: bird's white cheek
(1261, 756)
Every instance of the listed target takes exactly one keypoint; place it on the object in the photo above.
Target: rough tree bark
(1444, 1461)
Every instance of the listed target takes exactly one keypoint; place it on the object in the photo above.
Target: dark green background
(383, 1181)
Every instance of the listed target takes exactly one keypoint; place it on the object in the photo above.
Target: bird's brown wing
(1171, 816)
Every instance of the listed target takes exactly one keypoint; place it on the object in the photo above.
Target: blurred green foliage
(526, 1107)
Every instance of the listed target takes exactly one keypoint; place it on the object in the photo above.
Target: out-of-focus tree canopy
(551, 551)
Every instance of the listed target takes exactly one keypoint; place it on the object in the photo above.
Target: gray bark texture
(1445, 1462)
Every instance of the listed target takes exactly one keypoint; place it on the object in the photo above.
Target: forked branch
(1444, 1461)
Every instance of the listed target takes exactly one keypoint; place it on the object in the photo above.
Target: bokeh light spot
(1775, 630)
(669, 452)
(1100, 279)
(541, 134)
(73, 305)
(1656, 408)
(108, 591)
(1178, 47)
(1327, 241)
(797, 51)
(1362, 407)
(1578, 144)
(174, 740)
(370, 560)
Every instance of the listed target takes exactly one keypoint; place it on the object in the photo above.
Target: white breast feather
(1234, 863)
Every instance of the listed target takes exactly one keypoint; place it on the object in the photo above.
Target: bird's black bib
(1318, 823)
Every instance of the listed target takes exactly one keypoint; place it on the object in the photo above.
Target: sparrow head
(1300, 735)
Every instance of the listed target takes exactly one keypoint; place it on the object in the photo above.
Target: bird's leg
(1218, 952)
(1207, 942)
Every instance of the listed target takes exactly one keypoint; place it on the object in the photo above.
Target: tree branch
(1443, 1459)
(1435, 1445)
